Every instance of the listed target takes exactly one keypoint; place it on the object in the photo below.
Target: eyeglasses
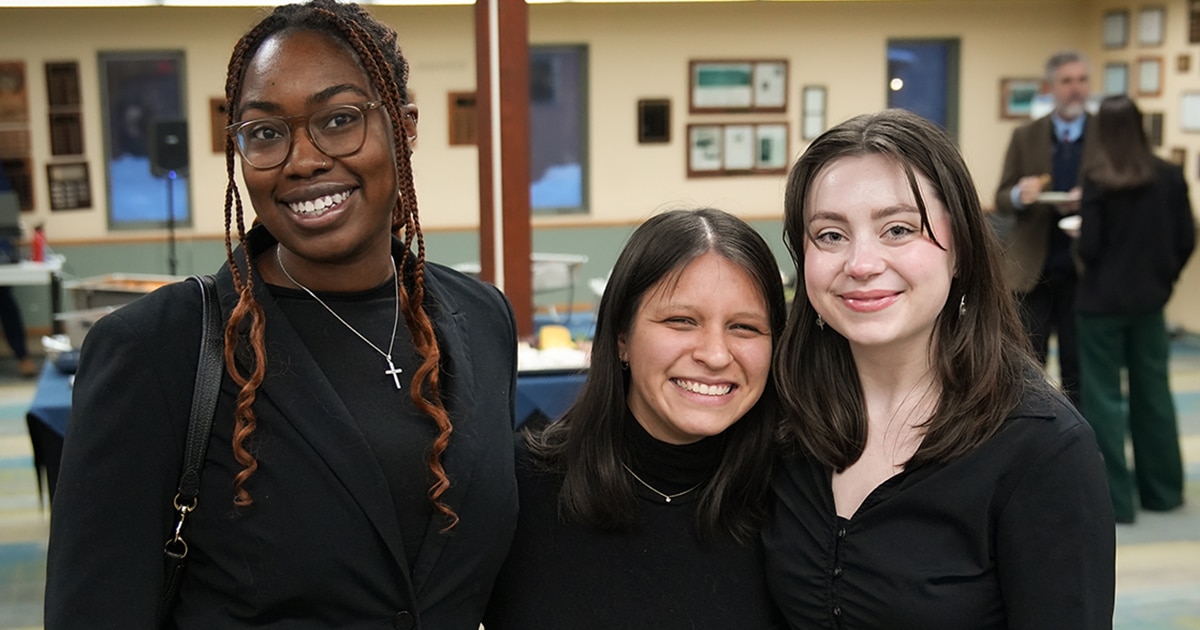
(337, 130)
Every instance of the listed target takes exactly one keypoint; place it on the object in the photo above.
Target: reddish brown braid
(375, 46)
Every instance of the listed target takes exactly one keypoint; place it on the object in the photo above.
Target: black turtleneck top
(568, 576)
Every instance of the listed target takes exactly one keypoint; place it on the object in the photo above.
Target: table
(551, 272)
(548, 394)
(28, 272)
(47, 421)
(539, 395)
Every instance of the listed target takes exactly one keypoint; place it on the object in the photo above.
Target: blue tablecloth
(47, 421)
(547, 394)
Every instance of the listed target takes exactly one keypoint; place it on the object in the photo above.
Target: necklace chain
(392, 370)
(666, 497)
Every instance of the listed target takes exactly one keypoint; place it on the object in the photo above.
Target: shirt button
(837, 612)
(837, 571)
(403, 620)
(842, 533)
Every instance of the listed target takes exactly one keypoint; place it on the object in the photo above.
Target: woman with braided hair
(359, 472)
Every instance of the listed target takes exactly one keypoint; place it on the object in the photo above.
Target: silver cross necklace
(392, 370)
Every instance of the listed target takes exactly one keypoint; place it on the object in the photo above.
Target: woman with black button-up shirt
(935, 479)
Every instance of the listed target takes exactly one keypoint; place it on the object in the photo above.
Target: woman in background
(641, 507)
(936, 480)
(359, 472)
(1137, 234)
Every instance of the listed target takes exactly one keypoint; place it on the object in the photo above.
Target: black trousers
(1049, 309)
(14, 326)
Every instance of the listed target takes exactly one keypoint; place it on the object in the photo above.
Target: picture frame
(463, 127)
(749, 85)
(1154, 128)
(1194, 21)
(1189, 111)
(1017, 96)
(1149, 76)
(216, 123)
(19, 170)
(654, 120)
(813, 99)
(737, 148)
(1150, 26)
(70, 185)
(1116, 78)
(705, 150)
(1116, 29)
(771, 147)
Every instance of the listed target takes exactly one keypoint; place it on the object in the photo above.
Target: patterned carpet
(1158, 559)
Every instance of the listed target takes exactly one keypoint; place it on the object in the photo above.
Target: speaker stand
(171, 260)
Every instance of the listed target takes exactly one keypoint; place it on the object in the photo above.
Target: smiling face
(699, 351)
(869, 270)
(322, 209)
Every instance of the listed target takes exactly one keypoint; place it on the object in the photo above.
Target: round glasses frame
(266, 142)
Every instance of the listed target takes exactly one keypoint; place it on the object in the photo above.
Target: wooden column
(502, 103)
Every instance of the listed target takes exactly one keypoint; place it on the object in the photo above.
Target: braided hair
(386, 68)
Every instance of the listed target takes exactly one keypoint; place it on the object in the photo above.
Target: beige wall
(636, 51)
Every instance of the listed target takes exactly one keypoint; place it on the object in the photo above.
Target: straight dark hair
(1125, 159)
(981, 358)
(588, 445)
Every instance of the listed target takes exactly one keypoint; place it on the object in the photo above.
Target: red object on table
(38, 253)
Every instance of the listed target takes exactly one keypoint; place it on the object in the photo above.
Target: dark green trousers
(1139, 344)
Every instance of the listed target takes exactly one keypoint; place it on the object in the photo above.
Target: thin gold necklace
(666, 497)
(392, 370)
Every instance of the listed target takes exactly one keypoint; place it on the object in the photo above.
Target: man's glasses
(336, 130)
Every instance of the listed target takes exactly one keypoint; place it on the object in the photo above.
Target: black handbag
(204, 403)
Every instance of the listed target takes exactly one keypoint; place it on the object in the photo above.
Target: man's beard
(1071, 110)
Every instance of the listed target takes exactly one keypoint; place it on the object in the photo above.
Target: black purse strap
(204, 398)
(209, 368)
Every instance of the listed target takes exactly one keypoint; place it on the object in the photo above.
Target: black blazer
(1026, 241)
(1134, 243)
(321, 545)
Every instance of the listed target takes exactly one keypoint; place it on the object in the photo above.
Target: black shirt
(1018, 533)
(566, 576)
(399, 435)
(1134, 243)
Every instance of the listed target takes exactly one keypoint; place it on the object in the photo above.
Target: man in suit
(1039, 186)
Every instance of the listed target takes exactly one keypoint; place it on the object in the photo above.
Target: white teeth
(319, 205)
(702, 388)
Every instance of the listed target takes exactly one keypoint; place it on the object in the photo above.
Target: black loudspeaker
(168, 147)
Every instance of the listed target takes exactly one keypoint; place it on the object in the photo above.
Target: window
(145, 140)
(923, 78)
(558, 129)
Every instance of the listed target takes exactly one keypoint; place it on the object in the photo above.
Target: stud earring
(624, 366)
(820, 322)
(962, 305)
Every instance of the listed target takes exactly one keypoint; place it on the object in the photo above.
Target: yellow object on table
(554, 336)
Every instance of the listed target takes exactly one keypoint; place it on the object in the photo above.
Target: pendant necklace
(392, 370)
(666, 497)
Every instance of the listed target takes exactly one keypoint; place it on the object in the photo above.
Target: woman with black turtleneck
(641, 507)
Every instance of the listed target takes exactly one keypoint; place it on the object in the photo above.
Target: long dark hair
(374, 44)
(1125, 159)
(587, 445)
(981, 358)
